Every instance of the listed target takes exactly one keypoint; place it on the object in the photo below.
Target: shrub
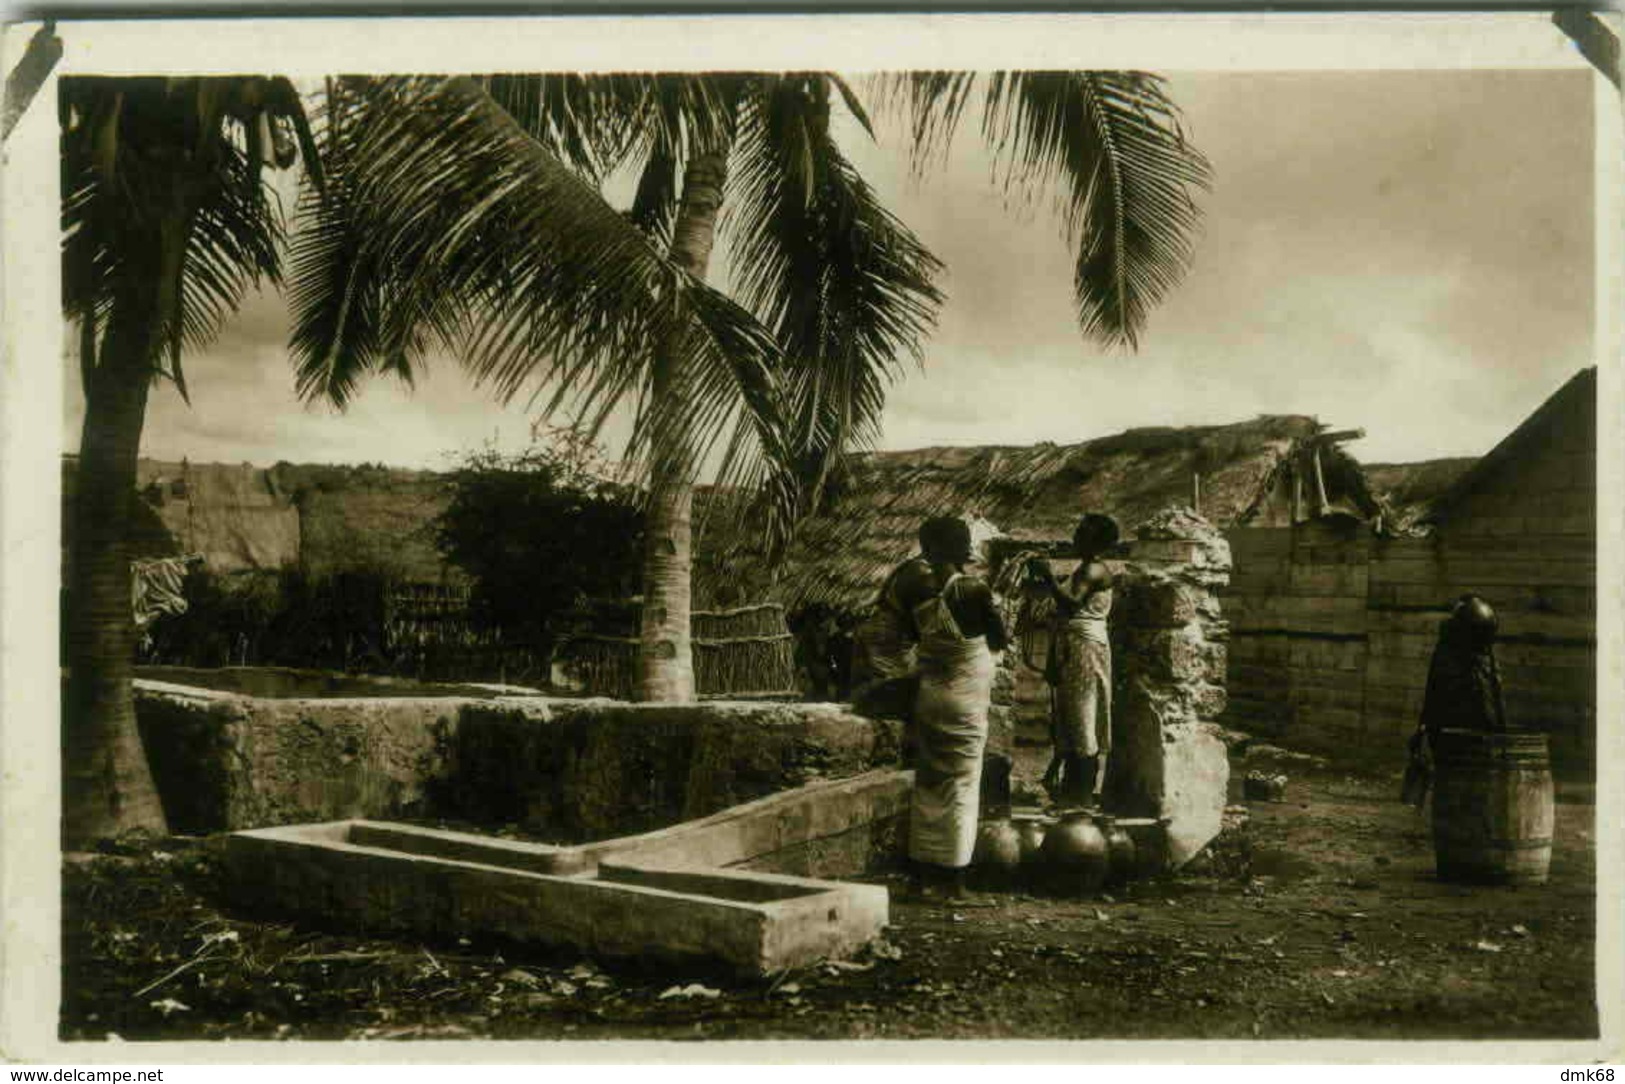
(540, 534)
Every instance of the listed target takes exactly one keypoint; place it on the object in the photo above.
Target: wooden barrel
(1492, 807)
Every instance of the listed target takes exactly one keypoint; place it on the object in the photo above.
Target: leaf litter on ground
(692, 990)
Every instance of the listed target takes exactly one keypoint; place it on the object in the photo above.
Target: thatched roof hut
(1410, 490)
(1265, 472)
(319, 518)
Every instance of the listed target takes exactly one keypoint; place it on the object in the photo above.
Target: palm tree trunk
(665, 650)
(107, 785)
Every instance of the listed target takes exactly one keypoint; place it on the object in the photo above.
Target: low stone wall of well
(568, 770)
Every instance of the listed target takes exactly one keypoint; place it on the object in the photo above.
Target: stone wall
(1170, 647)
(226, 762)
(566, 770)
(588, 770)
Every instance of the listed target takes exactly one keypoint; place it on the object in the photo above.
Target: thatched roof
(324, 519)
(1410, 490)
(227, 512)
(1037, 493)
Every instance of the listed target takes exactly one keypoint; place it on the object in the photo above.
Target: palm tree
(464, 215)
(167, 222)
(444, 239)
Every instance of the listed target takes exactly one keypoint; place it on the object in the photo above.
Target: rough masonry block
(1165, 605)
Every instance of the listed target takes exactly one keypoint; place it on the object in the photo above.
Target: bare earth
(1320, 919)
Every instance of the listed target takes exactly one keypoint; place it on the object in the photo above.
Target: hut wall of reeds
(307, 536)
(323, 519)
(230, 514)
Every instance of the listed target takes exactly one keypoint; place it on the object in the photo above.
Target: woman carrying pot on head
(1463, 688)
(1079, 667)
(958, 628)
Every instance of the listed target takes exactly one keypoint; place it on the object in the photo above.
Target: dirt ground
(1320, 917)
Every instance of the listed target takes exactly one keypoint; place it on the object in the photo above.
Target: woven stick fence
(431, 634)
(420, 616)
(746, 651)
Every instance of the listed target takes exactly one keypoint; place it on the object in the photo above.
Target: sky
(1405, 252)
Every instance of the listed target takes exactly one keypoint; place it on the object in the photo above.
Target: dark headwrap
(1095, 534)
(945, 539)
(1464, 683)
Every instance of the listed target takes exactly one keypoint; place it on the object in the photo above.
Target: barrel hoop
(1506, 844)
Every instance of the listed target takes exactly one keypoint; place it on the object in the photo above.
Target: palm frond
(933, 102)
(164, 210)
(586, 121)
(654, 204)
(449, 227)
(846, 287)
(680, 116)
(1113, 143)
(337, 281)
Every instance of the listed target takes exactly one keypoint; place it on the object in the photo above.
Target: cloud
(1410, 252)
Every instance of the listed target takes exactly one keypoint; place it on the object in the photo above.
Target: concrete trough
(356, 875)
(847, 820)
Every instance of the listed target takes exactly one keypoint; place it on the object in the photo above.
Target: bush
(282, 618)
(540, 534)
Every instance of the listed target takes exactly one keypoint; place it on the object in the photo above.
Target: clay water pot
(1075, 855)
(1121, 860)
(1031, 836)
(998, 852)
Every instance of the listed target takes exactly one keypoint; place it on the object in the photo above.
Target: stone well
(1169, 659)
(571, 770)
(1169, 647)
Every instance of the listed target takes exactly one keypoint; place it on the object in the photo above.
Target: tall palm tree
(845, 288)
(167, 221)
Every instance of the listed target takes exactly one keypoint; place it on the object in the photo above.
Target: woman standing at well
(958, 628)
(884, 647)
(1080, 669)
